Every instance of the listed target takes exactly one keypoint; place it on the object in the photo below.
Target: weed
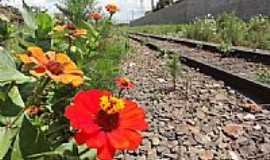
(175, 69)
(105, 65)
(225, 48)
(231, 29)
(264, 77)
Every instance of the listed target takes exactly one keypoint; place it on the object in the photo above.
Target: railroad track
(256, 55)
(249, 87)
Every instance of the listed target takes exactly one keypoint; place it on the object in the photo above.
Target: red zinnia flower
(95, 15)
(124, 83)
(105, 122)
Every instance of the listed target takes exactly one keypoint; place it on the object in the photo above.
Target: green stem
(84, 151)
(35, 98)
(38, 91)
(69, 44)
(120, 92)
(110, 18)
(96, 24)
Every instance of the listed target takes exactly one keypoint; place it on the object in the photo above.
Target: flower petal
(73, 71)
(82, 137)
(75, 80)
(63, 58)
(89, 100)
(125, 139)
(99, 141)
(135, 139)
(106, 153)
(81, 119)
(38, 71)
(24, 58)
(118, 139)
(38, 54)
(132, 117)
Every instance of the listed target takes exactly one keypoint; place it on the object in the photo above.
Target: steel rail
(254, 55)
(256, 91)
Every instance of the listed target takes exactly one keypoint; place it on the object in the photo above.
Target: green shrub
(259, 32)
(201, 29)
(231, 28)
(227, 29)
(264, 77)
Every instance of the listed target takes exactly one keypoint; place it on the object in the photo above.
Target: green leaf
(15, 96)
(8, 71)
(44, 22)
(16, 152)
(6, 138)
(91, 30)
(90, 154)
(30, 141)
(2, 96)
(29, 18)
(9, 109)
(25, 44)
(6, 60)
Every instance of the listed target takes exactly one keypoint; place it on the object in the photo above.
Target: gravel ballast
(202, 119)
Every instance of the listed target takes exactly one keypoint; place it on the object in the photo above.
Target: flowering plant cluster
(54, 103)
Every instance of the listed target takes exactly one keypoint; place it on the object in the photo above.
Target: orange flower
(58, 66)
(112, 8)
(95, 15)
(105, 122)
(79, 33)
(124, 83)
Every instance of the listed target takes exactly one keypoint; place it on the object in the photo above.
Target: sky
(129, 9)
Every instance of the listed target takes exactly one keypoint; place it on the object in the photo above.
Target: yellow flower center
(125, 81)
(111, 104)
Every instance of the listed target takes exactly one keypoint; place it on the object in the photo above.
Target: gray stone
(265, 148)
(155, 141)
(171, 156)
(202, 139)
(152, 154)
(163, 150)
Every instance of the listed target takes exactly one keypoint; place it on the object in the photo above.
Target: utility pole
(152, 5)
(141, 3)
(132, 14)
